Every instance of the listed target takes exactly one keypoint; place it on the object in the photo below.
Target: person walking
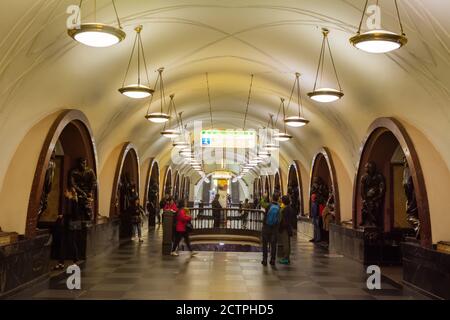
(270, 231)
(285, 229)
(315, 215)
(245, 207)
(183, 220)
(136, 214)
(216, 211)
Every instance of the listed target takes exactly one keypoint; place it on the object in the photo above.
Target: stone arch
(126, 175)
(323, 167)
(294, 185)
(383, 138)
(72, 130)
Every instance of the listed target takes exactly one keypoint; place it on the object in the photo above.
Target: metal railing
(221, 220)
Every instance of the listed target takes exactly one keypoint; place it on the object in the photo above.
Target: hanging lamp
(95, 34)
(139, 90)
(379, 41)
(182, 141)
(271, 145)
(297, 120)
(282, 136)
(171, 133)
(325, 94)
(158, 117)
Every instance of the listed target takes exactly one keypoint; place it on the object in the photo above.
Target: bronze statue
(373, 188)
(84, 181)
(48, 182)
(127, 193)
(320, 189)
(411, 204)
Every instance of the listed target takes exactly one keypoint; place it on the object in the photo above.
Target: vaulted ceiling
(43, 70)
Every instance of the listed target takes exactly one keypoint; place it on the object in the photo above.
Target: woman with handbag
(182, 228)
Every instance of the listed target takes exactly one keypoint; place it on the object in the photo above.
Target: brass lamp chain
(284, 115)
(95, 11)
(131, 58)
(248, 101)
(140, 49)
(299, 96)
(332, 62)
(320, 67)
(279, 110)
(161, 88)
(169, 113)
(209, 100)
(398, 17)
(154, 89)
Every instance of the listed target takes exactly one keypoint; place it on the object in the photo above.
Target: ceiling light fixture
(137, 91)
(158, 117)
(298, 120)
(170, 133)
(379, 41)
(282, 136)
(271, 145)
(321, 94)
(96, 34)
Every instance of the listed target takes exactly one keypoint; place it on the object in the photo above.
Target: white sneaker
(173, 253)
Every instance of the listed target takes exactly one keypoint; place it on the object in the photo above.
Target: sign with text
(228, 138)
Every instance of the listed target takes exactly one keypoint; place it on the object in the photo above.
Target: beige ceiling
(42, 70)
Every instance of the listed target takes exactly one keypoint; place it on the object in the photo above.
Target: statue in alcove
(411, 203)
(127, 192)
(320, 189)
(152, 204)
(84, 181)
(48, 182)
(373, 189)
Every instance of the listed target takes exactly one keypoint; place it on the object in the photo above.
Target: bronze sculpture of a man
(411, 204)
(48, 182)
(373, 189)
(320, 189)
(84, 181)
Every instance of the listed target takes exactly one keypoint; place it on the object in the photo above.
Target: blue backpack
(273, 215)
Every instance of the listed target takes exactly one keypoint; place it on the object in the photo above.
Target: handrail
(227, 219)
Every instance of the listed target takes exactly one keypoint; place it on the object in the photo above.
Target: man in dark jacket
(216, 211)
(285, 229)
(270, 230)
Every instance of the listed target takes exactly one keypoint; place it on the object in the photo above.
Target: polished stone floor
(138, 271)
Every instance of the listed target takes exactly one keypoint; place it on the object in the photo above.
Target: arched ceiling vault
(42, 70)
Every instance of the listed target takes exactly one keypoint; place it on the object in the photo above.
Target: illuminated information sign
(228, 138)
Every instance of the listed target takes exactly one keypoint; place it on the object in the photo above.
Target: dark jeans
(269, 237)
(178, 237)
(317, 231)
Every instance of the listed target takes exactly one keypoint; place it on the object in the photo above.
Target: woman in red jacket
(182, 219)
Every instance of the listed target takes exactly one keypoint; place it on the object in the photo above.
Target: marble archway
(385, 136)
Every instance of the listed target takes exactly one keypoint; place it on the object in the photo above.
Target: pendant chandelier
(137, 91)
(325, 94)
(282, 136)
(379, 41)
(158, 117)
(183, 137)
(171, 133)
(271, 145)
(297, 120)
(97, 34)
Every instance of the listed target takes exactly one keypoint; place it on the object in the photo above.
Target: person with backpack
(270, 231)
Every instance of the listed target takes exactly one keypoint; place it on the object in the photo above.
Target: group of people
(182, 222)
(277, 228)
